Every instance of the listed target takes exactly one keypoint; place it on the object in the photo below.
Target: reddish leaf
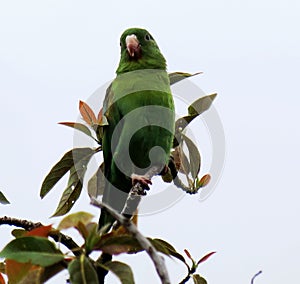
(99, 117)
(1, 279)
(188, 254)
(42, 231)
(204, 258)
(204, 181)
(16, 271)
(87, 113)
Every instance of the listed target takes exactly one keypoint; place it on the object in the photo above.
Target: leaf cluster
(32, 258)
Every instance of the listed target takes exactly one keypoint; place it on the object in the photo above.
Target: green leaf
(82, 271)
(70, 194)
(75, 183)
(79, 126)
(37, 250)
(2, 267)
(68, 161)
(121, 270)
(198, 279)
(97, 182)
(201, 105)
(93, 237)
(118, 244)
(3, 199)
(166, 248)
(19, 233)
(194, 155)
(179, 76)
(194, 110)
(72, 220)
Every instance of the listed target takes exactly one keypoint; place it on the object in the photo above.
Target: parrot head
(139, 51)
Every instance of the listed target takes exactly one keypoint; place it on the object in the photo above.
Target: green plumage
(140, 111)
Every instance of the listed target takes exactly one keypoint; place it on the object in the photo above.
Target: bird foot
(144, 181)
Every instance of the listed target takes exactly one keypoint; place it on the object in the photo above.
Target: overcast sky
(54, 53)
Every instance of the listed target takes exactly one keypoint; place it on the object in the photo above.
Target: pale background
(53, 53)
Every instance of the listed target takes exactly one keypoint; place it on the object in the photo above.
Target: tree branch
(252, 280)
(144, 242)
(55, 235)
(136, 193)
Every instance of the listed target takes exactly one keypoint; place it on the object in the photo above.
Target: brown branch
(252, 280)
(143, 241)
(55, 235)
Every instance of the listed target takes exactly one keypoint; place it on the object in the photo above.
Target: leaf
(87, 113)
(23, 273)
(194, 155)
(166, 248)
(121, 270)
(97, 182)
(181, 161)
(194, 110)
(18, 233)
(179, 76)
(79, 126)
(16, 271)
(93, 237)
(180, 125)
(37, 250)
(70, 194)
(3, 199)
(188, 254)
(167, 177)
(72, 220)
(204, 258)
(33, 276)
(101, 119)
(204, 181)
(201, 105)
(198, 279)
(117, 244)
(63, 166)
(82, 271)
(2, 267)
(42, 231)
(75, 183)
(1, 279)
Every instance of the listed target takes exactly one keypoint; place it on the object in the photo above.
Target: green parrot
(139, 109)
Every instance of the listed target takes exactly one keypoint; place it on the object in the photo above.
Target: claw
(141, 179)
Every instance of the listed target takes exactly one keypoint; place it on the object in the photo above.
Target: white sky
(53, 53)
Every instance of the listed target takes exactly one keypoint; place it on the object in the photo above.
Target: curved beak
(133, 46)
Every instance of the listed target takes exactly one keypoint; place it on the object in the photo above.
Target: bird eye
(147, 37)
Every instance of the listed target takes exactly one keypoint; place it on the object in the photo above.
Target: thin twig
(252, 280)
(55, 235)
(143, 241)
